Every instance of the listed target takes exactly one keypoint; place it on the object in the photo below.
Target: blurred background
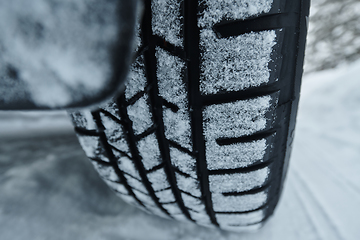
(50, 191)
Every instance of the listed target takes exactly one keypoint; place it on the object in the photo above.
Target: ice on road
(50, 191)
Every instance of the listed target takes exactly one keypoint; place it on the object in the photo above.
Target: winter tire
(203, 131)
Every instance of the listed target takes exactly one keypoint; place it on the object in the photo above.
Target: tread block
(201, 218)
(118, 187)
(144, 198)
(158, 179)
(238, 182)
(126, 165)
(232, 10)
(172, 208)
(150, 152)
(241, 219)
(193, 203)
(233, 120)
(183, 162)
(135, 183)
(166, 20)
(92, 147)
(241, 203)
(165, 195)
(235, 63)
(136, 78)
(188, 184)
(173, 89)
(140, 115)
(83, 119)
(106, 172)
(115, 134)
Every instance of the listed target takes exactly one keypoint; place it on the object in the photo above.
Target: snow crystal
(83, 119)
(235, 63)
(127, 165)
(135, 183)
(106, 172)
(144, 198)
(92, 147)
(139, 113)
(240, 219)
(165, 196)
(117, 187)
(50, 53)
(193, 203)
(240, 203)
(183, 161)
(217, 11)
(188, 185)
(172, 208)
(149, 151)
(238, 182)
(166, 20)
(158, 180)
(136, 80)
(115, 134)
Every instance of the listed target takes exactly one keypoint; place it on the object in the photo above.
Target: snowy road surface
(50, 191)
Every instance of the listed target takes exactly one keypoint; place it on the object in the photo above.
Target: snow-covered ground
(50, 191)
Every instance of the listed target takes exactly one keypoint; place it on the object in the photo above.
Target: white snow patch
(193, 203)
(117, 187)
(240, 219)
(112, 108)
(136, 81)
(165, 196)
(50, 53)
(127, 165)
(92, 147)
(189, 185)
(235, 63)
(83, 119)
(115, 134)
(183, 161)
(106, 172)
(149, 151)
(166, 20)
(135, 183)
(201, 218)
(234, 155)
(144, 198)
(172, 208)
(240, 203)
(139, 113)
(217, 11)
(238, 182)
(158, 179)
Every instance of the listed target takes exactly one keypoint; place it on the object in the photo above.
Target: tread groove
(245, 94)
(189, 194)
(256, 24)
(108, 114)
(172, 49)
(160, 166)
(157, 105)
(192, 51)
(103, 139)
(180, 148)
(135, 152)
(170, 105)
(248, 138)
(86, 132)
(251, 168)
(98, 160)
(248, 192)
(121, 152)
(146, 133)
